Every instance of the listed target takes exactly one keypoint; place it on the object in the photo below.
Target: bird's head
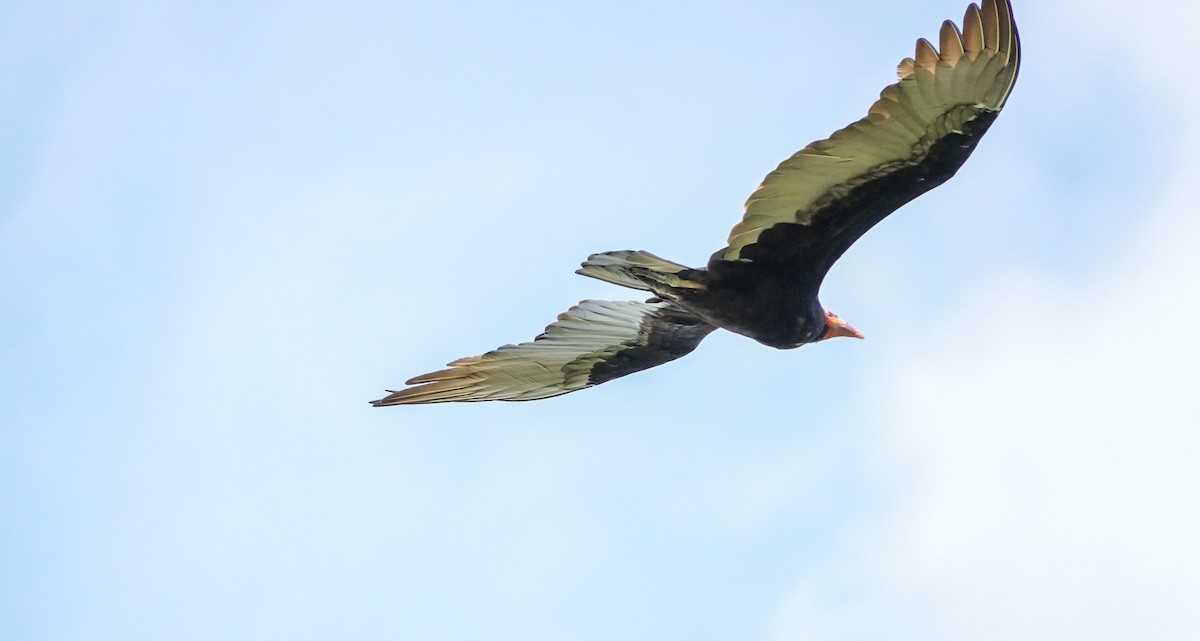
(835, 326)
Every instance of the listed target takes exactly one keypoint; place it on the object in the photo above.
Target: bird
(765, 283)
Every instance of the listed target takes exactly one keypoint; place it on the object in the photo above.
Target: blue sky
(224, 228)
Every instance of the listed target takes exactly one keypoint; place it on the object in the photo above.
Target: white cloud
(1045, 451)
(1051, 443)
(1043, 438)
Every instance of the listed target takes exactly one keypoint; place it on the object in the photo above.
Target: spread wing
(817, 203)
(592, 343)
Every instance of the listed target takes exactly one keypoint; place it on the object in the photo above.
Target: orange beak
(839, 327)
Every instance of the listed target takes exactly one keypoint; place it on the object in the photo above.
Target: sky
(225, 227)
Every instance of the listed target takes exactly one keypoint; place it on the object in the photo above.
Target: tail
(641, 270)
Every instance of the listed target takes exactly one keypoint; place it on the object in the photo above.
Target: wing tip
(989, 29)
(394, 397)
(439, 391)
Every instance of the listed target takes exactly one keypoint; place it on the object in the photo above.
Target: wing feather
(591, 343)
(973, 32)
(991, 25)
(937, 95)
(927, 56)
(950, 42)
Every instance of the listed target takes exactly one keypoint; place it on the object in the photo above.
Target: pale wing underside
(591, 343)
(937, 94)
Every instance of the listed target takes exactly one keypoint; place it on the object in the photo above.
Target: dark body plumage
(772, 295)
(807, 212)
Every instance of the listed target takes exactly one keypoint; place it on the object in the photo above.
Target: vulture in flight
(764, 284)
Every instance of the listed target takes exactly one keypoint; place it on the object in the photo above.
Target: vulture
(765, 282)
